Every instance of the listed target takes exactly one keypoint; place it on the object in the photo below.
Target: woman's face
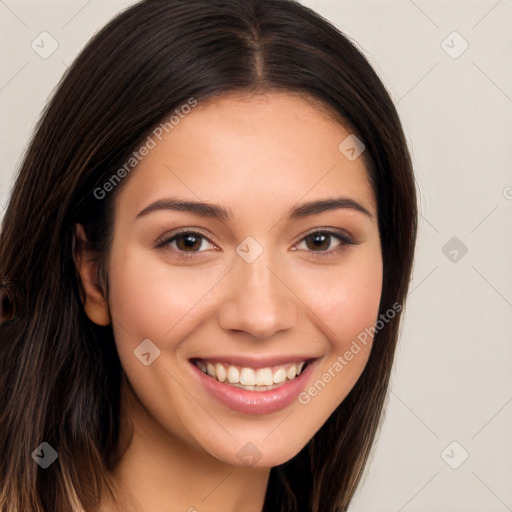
(246, 245)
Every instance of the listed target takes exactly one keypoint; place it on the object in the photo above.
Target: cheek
(347, 303)
(346, 298)
(151, 299)
(356, 304)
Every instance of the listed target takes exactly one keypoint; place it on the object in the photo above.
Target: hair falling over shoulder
(60, 375)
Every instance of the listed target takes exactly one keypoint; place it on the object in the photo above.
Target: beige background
(452, 378)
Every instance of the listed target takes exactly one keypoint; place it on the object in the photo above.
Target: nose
(257, 301)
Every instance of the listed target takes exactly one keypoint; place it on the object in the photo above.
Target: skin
(258, 156)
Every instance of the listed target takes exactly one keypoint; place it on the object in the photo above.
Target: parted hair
(59, 373)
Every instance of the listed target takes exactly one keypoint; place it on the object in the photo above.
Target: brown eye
(318, 241)
(325, 243)
(188, 242)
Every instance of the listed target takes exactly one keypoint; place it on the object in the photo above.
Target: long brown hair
(60, 374)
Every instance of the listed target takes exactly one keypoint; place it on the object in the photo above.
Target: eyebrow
(221, 213)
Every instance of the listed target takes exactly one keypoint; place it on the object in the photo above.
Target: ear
(86, 262)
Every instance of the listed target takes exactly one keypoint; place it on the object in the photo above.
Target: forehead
(238, 149)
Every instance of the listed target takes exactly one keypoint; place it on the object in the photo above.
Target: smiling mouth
(251, 379)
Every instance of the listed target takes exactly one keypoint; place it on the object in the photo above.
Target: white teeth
(280, 376)
(210, 369)
(222, 374)
(233, 375)
(291, 372)
(262, 379)
(247, 377)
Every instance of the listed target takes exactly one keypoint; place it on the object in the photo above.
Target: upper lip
(256, 362)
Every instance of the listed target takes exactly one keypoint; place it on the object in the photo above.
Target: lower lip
(255, 402)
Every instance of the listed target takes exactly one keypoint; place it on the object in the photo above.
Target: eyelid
(342, 235)
(166, 240)
(345, 239)
(168, 237)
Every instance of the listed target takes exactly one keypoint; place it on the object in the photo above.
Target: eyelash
(342, 237)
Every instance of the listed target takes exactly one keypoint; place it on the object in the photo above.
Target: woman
(204, 261)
